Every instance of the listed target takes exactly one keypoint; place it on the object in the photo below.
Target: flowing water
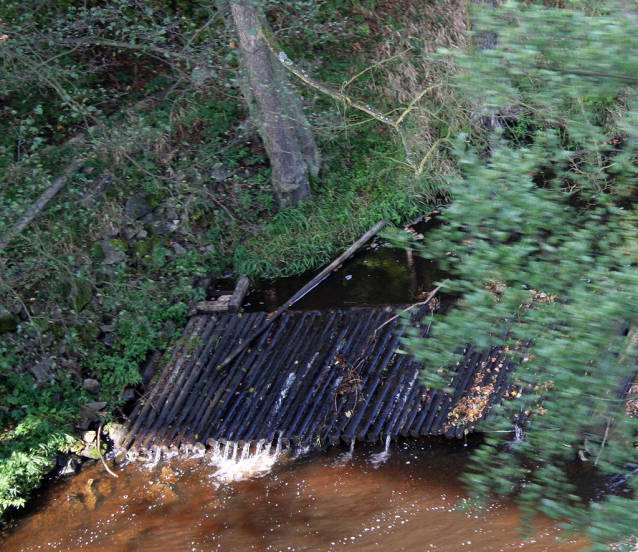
(401, 496)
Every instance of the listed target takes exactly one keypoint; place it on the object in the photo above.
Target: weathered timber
(34, 210)
(313, 377)
(237, 298)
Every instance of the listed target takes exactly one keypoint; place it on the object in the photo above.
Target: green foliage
(360, 188)
(37, 425)
(543, 253)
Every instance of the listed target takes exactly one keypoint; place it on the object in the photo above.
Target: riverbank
(167, 195)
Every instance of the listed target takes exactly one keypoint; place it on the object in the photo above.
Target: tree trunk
(286, 134)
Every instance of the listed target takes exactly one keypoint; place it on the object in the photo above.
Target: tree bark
(286, 134)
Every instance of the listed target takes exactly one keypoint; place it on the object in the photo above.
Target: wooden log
(32, 212)
(145, 413)
(237, 298)
(209, 307)
(305, 290)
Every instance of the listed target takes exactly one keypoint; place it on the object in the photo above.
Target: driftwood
(302, 292)
(224, 303)
(237, 298)
(209, 307)
(35, 209)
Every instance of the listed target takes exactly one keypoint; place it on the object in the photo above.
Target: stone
(8, 322)
(89, 436)
(129, 232)
(137, 207)
(142, 234)
(142, 248)
(81, 294)
(219, 174)
(119, 454)
(113, 252)
(96, 194)
(67, 465)
(92, 386)
(96, 406)
(155, 225)
(42, 371)
(90, 451)
(179, 250)
(116, 433)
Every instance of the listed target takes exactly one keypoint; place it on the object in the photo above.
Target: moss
(8, 322)
(142, 248)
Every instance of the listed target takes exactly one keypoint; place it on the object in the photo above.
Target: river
(404, 498)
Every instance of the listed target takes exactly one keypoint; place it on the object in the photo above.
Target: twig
(602, 446)
(99, 432)
(396, 124)
(370, 67)
(424, 302)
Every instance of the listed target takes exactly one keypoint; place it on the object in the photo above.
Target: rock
(81, 294)
(90, 496)
(119, 454)
(67, 465)
(89, 436)
(108, 328)
(42, 371)
(137, 207)
(96, 406)
(130, 232)
(155, 225)
(219, 174)
(128, 394)
(179, 250)
(113, 251)
(8, 322)
(162, 492)
(109, 340)
(116, 433)
(47, 340)
(92, 386)
(142, 248)
(142, 234)
(96, 194)
(90, 451)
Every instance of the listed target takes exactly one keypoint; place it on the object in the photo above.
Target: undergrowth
(91, 290)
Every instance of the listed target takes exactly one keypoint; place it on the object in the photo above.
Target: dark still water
(402, 499)
(378, 276)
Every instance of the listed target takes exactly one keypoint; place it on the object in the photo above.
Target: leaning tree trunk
(286, 134)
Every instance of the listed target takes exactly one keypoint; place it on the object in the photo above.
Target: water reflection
(336, 500)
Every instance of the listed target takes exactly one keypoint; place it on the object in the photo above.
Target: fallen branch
(420, 303)
(99, 432)
(301, 293)
(35, 209)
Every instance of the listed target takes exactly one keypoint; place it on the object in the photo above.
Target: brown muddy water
(405, 498)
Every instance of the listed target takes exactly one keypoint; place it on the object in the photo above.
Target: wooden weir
(315, 377)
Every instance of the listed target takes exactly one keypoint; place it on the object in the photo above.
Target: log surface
(314, 377)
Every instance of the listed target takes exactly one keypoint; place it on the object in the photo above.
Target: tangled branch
(395, 124)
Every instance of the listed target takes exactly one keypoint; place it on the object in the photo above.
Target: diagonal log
(302, 292)
(35, 209)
